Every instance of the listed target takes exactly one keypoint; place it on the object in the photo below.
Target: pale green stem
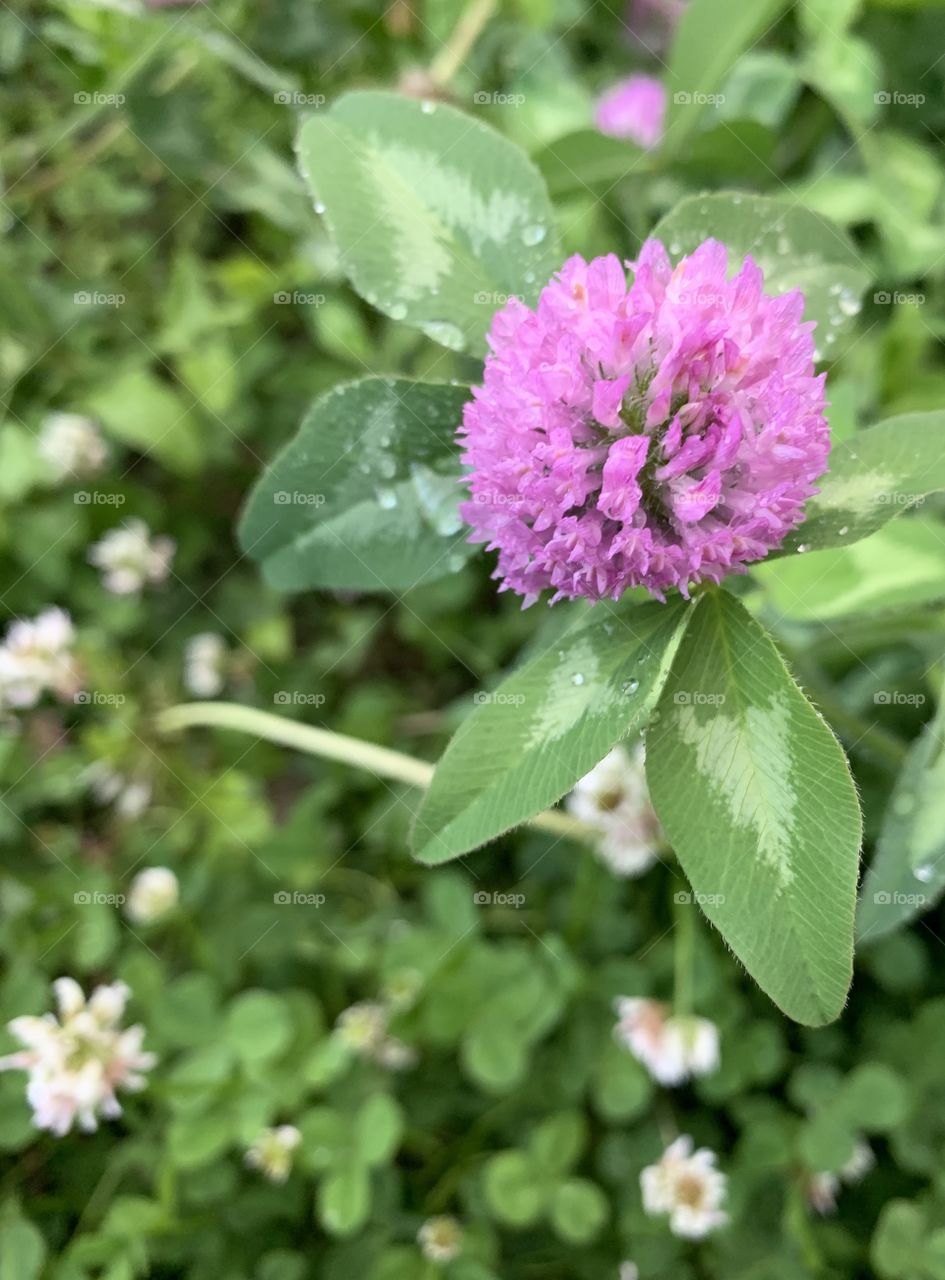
(465, 34)
(380, 761)
(684, 939)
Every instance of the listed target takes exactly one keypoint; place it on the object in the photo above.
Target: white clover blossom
(614, 802)
(686, 1185)
(154, 892)
(72, 445)
(36, 656)
(78, 1059)
(130, 558)
(673, 1048)
(204, 660)
(273, 1151)
(629, 1271)
(440, 1238)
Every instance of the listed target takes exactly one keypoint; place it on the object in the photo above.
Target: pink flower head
(658, 435)
(634, 108)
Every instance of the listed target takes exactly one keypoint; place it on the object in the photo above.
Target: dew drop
(534, 234)
(398, 311)
(577, 678)
(802, 548)
(386, 498)
(427, 108)
(630, 686)
(925, 873)
(844, 529)
(675, 247)
(849, 304)
(319, 206)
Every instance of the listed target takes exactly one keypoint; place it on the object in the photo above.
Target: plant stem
(380, 761)
(465, 34)
(684, 942)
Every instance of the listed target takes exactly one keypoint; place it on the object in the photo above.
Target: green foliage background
(218, 311)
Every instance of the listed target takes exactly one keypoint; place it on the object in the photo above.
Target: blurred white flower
(395, 1055)
(672, 1048)
(822, 1189)
(363, 1029)
(36, 655)
(687, 1186)
(440, 1239)
(72, 445)
(153, 893)
(130, 797)
(629, 1271)
(273, 1151)
(614, 801)
(204, 658)
(129, 557)
(78, 1060)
